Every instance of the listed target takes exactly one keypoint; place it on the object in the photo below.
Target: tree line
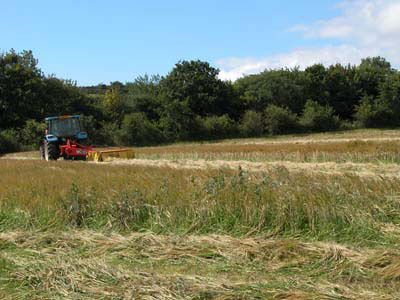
(192, 103)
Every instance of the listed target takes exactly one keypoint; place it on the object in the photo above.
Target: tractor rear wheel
(51, 151)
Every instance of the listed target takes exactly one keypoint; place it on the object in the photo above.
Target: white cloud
(366, 22)
(365, 28)
(234, 68)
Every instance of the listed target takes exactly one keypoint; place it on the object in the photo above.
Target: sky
(98, 41)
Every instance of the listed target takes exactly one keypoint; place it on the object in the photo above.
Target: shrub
(92, 127)
(279, 120)
(32, 134)
(9, 141)
(252, 124)
(219, 126)
(319, 118)
(107, 134)
(137, 130)
(373, 114)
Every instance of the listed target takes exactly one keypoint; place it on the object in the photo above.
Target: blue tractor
(63, 138)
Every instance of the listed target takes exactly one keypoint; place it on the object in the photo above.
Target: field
(293, 217)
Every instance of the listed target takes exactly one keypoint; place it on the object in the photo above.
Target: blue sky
(102, 41)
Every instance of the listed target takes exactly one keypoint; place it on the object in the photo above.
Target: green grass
(39, 195)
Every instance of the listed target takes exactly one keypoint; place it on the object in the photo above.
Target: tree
(383, 110)
(26, 94)
(389, 95)
(20, 87)
(59, 96)
(197, 84)
(283, 88)
(114, 105)
(341, 90)
(142, 96)
(314, 84)
(191, 89)
(370, 74)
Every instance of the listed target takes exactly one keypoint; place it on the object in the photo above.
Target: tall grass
(37, 194)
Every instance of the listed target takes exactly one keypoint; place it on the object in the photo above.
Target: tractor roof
(63, 117)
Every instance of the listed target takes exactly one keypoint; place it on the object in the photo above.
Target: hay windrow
(84, 264)
(329, 168)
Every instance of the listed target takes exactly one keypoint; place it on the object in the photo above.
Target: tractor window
(64, 128)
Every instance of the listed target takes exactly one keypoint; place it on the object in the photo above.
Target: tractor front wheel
(41, 151)
(51, 151)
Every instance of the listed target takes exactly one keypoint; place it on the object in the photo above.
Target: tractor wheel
(41, 151)
(51, 151)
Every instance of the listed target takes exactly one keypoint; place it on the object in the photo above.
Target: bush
(279, 120)
(92, 127)
(218, 127)
(373, 114)
(9, 141)
(137, 130)
(252, 124)
(107, 134)
(32, 134)
(319, 118)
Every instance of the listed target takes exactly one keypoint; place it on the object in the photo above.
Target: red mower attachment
(74, 150)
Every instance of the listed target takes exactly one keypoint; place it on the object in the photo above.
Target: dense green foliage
(279, 120)
(192, 103)
(317, 117)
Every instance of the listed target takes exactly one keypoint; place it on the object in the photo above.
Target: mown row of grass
(339, 151)
(84, 264)
(42, 195)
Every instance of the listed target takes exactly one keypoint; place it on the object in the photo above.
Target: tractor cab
(65, 127)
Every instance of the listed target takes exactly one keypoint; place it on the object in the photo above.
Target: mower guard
(97, 156)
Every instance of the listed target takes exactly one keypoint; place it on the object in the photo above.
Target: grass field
(299, 217)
